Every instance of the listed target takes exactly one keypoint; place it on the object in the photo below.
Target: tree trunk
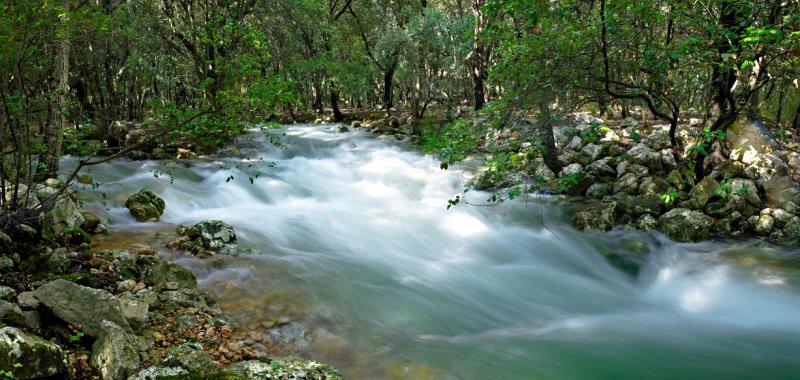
(388, 79)
(54, 132)
(796, 119)
(479, 56)
(337, 114)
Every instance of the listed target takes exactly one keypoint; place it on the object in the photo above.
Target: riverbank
(109, 307)
(625, 174)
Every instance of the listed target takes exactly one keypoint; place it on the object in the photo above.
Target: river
(358, 249)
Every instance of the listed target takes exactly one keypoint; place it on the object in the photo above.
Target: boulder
(58, 261)
(114, 353)
(161, 373)
(191, 357)
(282, 369)
(598, 190)
(685, 225)
(637, 205)
(64, 216)
(90, 221)
(81, 306)
(625, 167)
(646, 222)
(743, 198)
(701, 193)
(145, 206)
(642, 154)
(576, 144)
(7, 293)
(628, 184)
(781, 192)
(571, 169)
(659, 138)
(762, 224)
(135, 312)
(766, 167)
(593, 151)
(38, 358)
(668, 159)
(653, 186)
(601, 168)
(212, 235)
(544, 174)
(748, 141)
(599, 217)
(11, 314)
(792, 228)
(155, 271)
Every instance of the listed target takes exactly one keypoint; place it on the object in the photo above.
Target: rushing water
(358, 247)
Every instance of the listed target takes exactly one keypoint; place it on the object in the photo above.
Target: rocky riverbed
(96, 311)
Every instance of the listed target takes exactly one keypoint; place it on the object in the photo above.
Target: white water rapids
(394, 285)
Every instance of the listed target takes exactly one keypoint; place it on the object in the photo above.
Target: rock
(11, 314)
(126, 285)
(625, 167)
(135, 312)
(781, 192)
(637, 205)
(668, 159)
(766, 167)
(187, 298)
(685, 225)
(659, 139)
(40, 359)
(90, 221)
(342, 129)
(6, 264)
(145, 206)
(206, 238)
(355, 124)
(593, 151)
(63, 216)
(28, 231)
(743, 198)
(601, 168)
(571, 169)
(629, 184)
(156, 271)
(628, 122)
(81, 306)
(161, 373)
(282, 369)
(747, 141)
(191, 357)
(728, 169)
(701, 193)
(763, 224)
(601, 217)
(792, 228)
(575, 144)
(58, 260)
(26, 300)
(598, 190)
(543, 174)
(646, 222)
(653, 186)
(114, 353)
(7, 293)
(641, 154)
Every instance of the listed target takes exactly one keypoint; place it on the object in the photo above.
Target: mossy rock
(145, 206)
(30, 357)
